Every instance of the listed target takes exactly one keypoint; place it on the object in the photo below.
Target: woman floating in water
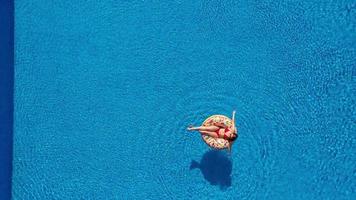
(218, 131)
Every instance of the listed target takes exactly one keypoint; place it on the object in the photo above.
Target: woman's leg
(221, 125)
(204, 128)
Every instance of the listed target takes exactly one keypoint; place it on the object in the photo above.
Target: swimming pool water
(104, 91)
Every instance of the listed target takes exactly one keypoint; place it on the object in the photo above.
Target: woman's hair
(233, 138)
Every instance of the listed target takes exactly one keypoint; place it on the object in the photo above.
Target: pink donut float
(216, 143)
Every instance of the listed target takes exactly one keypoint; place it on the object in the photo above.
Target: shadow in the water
(216, 168)
(6, 96)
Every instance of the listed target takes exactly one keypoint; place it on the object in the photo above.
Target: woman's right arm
(233, 120)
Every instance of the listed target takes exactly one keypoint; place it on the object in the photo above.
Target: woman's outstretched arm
(233, 120)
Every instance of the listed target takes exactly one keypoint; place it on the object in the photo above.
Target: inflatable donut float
(216, 143)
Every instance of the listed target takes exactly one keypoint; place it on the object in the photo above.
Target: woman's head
(233, 137)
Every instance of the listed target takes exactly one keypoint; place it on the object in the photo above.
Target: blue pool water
(104, 91)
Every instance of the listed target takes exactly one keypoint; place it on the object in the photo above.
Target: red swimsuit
(225, 131)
